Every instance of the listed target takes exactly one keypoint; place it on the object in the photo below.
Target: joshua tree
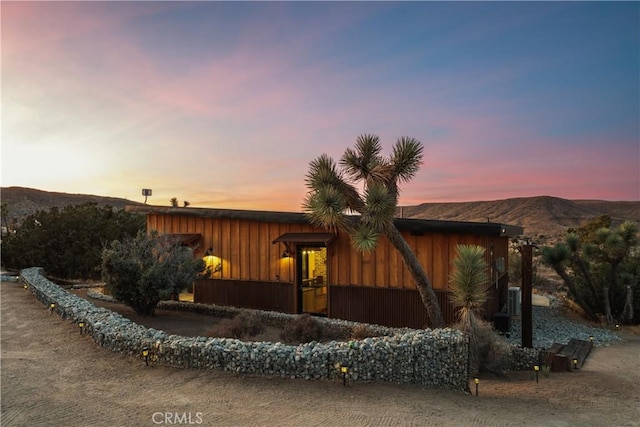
(612, 247)
(469, 282)
(592, 257)
(557, 257)
(333, 196)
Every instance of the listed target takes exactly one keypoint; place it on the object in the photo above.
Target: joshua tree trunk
(578, 297)
(607, 305)
(428, 296)
(582, 266)
(627, 311)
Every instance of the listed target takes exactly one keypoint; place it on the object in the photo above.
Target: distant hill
(540, 216)
(22, 202)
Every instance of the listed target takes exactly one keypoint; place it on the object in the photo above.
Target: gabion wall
(436, 358)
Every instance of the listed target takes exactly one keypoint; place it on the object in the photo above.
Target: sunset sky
(225, 104)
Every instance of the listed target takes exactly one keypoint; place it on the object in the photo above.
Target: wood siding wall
(246, 252)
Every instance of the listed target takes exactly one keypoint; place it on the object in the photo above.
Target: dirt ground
(52, 375)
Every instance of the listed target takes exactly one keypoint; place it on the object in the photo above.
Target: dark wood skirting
(272, 296)
(381, 306)
(395, 307)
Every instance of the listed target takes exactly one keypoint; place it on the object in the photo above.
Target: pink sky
(225, 104)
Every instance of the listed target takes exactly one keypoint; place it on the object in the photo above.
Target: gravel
(551, 326)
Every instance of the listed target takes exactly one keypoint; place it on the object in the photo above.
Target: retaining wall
(436, 358)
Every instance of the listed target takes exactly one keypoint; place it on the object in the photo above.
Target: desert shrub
(144, 270)
(359, 332)
(303, 328)
(68, 242)
(494, 350)
(243, 325)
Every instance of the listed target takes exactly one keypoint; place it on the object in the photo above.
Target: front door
(311, 274)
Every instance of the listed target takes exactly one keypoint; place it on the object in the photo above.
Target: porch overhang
(287, 238)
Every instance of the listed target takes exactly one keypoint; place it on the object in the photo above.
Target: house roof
(412, 225)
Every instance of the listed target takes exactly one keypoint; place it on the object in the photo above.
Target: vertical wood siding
(247, 254)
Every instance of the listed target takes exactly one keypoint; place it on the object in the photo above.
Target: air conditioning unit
(513, 302)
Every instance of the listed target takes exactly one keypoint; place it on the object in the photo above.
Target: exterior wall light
(212, 262)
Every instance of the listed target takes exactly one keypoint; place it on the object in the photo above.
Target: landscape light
(344, 370)
(477, 381)
(145, 354)
(52, 306)
(81, 326)
(26, 286)
(536, 368)
(617, 327)
(575, 363)
(591, 338)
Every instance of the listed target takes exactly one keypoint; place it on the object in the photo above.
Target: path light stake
(536, 368)
(81, 326)
(591, 338)
(52, 306)
(477, 381)
(575, 363)
(26, 286)
(344, 370)
(145, 354)
(156, 353)
(617, 327)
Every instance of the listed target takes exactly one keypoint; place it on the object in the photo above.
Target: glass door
(311, 264)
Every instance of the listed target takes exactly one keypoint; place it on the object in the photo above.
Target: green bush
(144, 270)
(68, 243)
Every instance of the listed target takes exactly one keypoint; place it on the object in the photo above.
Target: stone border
(436, 358)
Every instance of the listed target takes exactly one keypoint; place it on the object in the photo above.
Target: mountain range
(540, 216)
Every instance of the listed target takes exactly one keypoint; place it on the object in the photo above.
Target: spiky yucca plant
(469, 283)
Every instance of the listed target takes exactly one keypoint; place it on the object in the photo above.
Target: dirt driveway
(53, 376)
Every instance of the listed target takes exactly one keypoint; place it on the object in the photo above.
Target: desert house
(278, 261)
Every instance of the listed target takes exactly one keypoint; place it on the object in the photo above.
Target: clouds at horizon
(225, 104)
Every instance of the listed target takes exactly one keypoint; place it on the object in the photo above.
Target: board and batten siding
(246, 252)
